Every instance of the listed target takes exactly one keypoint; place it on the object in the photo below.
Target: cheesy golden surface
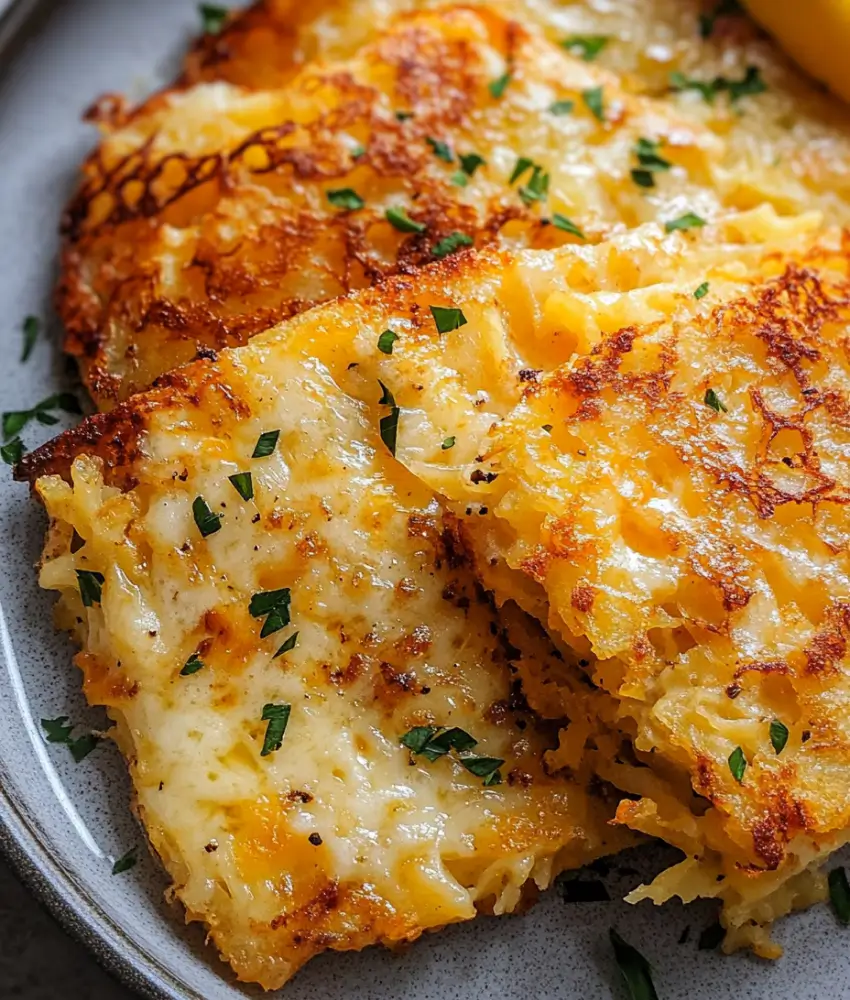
(214, 593)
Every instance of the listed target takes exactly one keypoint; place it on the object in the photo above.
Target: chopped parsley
(460, 178)
(483, 767)
(522, 164)
(192, 665)
(778, 735)
(126, 861)
(207, 522)
(441, 149)
(447, 320)
(277, 717)
(346, 198)
(399, 218)
(646, 152)
(403, 116)
(449, 244)
(737, 764)
(273, 605)
(567, 225)
(433, 742)
(701, 291)
(90, 584)
(634, 968)
(537, 187)
(643, 178)
(15, 420)
(587, 47)
(59, 731)
(839, 894)
(448, 443)
(749, 85)
(470, 162)
(287, 645)
(497, 87)
(357, 151)
(714, 401)
(30, 330)
(386, 341)
(561, 107)
(243, 483)
(387, 398)
(708, 21)
(687, 221)
(389, 423)
(266, 444)
(12, 452)
(711, 937)
(212, 17)
(594, 99)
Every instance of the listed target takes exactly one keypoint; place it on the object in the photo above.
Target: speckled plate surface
(63, 824)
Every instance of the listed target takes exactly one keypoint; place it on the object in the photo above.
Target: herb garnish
(243, 483)
(389, 423)
(212, 17)
(460, 178)
(30, 329)
(399, 218)
(207, 522)
(447, 319)
(594, 99)
(273, 605)
(441, 149)
(12, 452)
(839, 894)
(386, 341)
(749, 85)
(562, 222)
(433, 742)
(537, 187)
(737, 764)
(561, 107)
(687, 221)
(497, 86)
(522, 164)
(636, 971)
(646, 151)
(59, 731)
(346, 198)
(483, 767)
(192, 665)
(448, 443)
(403, 116)
(701, 291)
(266, 444)
(126, 861)
(470, 162)
(778, 736)
(587, 47)
(287, 645)
(714, 401)
(15, 420)
(449, 244)
(277, 717)
(90, 584)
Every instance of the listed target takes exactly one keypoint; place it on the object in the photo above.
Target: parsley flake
(403, 116)
(192, 665)
(207, 522)
(594, 100)
(273, 605)
(778, 736)
(30, 330)
(386, 341)
(12, 452)
(714, 401)
(266, 444)
(357, 151)
(586, 47)
(537, 187)
(460, 178)
(522, 164)
(387, 398)
(243, 483)
(90, 584)
(634, 968)
(287, 645)
(126, 861)
(59, 731)
(497, 87)
(643, 178)
(451, 243)
(389, 423)
(701, 291)
(839, 894)
(646, 152)
(277, 717)
(737, 764)
(470, 162)
(448, 443)
(212, 17)
(482, 767)
(15, 420)
(687, 221)
(749, 85)
(447, 320)
(416, 739)
(441, 149)
(399, 218)
(561, 107)
(345, 198)
(567, 225)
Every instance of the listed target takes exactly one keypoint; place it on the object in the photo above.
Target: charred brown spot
(582, 598)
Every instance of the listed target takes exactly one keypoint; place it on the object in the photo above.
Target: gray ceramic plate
(63, 824)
